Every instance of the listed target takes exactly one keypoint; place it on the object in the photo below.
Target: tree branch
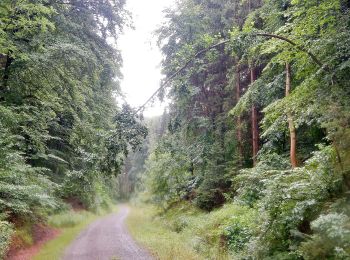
(299, 47)
(179, 71)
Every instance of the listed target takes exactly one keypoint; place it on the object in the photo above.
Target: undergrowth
(275, 214)
(185, 232)
(153, 233)
(68, 219)
(6, 232)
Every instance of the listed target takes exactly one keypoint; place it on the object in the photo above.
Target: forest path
(107, 239)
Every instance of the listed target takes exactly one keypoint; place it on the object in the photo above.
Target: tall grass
(161, 241)
(185, 232)
(68, 219)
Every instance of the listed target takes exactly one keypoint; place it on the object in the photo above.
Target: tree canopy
(259, 117)
(62, 133)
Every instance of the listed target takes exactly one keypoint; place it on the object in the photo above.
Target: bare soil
(41, 234)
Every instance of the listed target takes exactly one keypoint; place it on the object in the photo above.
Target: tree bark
(292, 130)
(255, 125)
(239, 118)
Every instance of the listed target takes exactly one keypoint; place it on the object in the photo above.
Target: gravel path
(107, 239)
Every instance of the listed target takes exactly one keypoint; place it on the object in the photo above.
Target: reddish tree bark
(292, 130)
(255, 125)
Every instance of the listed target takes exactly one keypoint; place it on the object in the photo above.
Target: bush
(331, 238)
(210, 199)
(211, 192)
(288, 202)
(237, 236)
(179, 224)
(6, 232)
(90, 188)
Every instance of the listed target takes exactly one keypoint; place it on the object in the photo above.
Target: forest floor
(107, 238)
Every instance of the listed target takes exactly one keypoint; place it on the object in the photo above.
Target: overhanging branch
(179, 71)
(269, 35)
(301, 48)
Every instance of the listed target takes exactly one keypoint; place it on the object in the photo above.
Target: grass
(71, 224)
(68, 219)
(24, 235)
(185, 232)
(161, 241)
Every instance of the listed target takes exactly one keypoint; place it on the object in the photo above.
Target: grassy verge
(71, 224)
(154, 235)
(185, 232)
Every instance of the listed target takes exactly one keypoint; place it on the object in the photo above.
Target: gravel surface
(107, 239)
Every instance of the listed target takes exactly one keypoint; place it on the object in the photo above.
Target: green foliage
(20, 22)
(331, 235)
(25, 190)
(203, 233)
(67, 219)
(59, 75)
(6, 232)
(129, 132)
(205, 156)
(237, 237)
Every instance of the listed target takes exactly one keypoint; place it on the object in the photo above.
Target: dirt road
(107, 239)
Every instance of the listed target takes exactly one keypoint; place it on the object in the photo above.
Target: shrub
(90, 188)
(209, 199)
(288, 201)
(179, 224)
(6, 232)
(211, 192)
(331, 239)
(237, 236)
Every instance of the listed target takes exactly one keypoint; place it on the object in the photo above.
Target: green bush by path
(6, 232)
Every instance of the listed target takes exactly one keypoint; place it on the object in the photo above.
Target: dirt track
(107, 239)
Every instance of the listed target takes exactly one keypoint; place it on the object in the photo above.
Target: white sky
(141, 56)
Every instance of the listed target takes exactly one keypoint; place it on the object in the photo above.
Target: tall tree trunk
(239, 118)
(292, 130)
(255, 126)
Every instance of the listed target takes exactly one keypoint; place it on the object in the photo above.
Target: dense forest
(258, 119)
(257, 131)
(62, 135)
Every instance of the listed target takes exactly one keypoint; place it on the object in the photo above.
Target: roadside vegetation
(251, 160)
(257, 133)
(153, 232)
(185, 232)
(63, 137)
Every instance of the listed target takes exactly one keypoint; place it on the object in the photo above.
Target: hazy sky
(141, 68)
